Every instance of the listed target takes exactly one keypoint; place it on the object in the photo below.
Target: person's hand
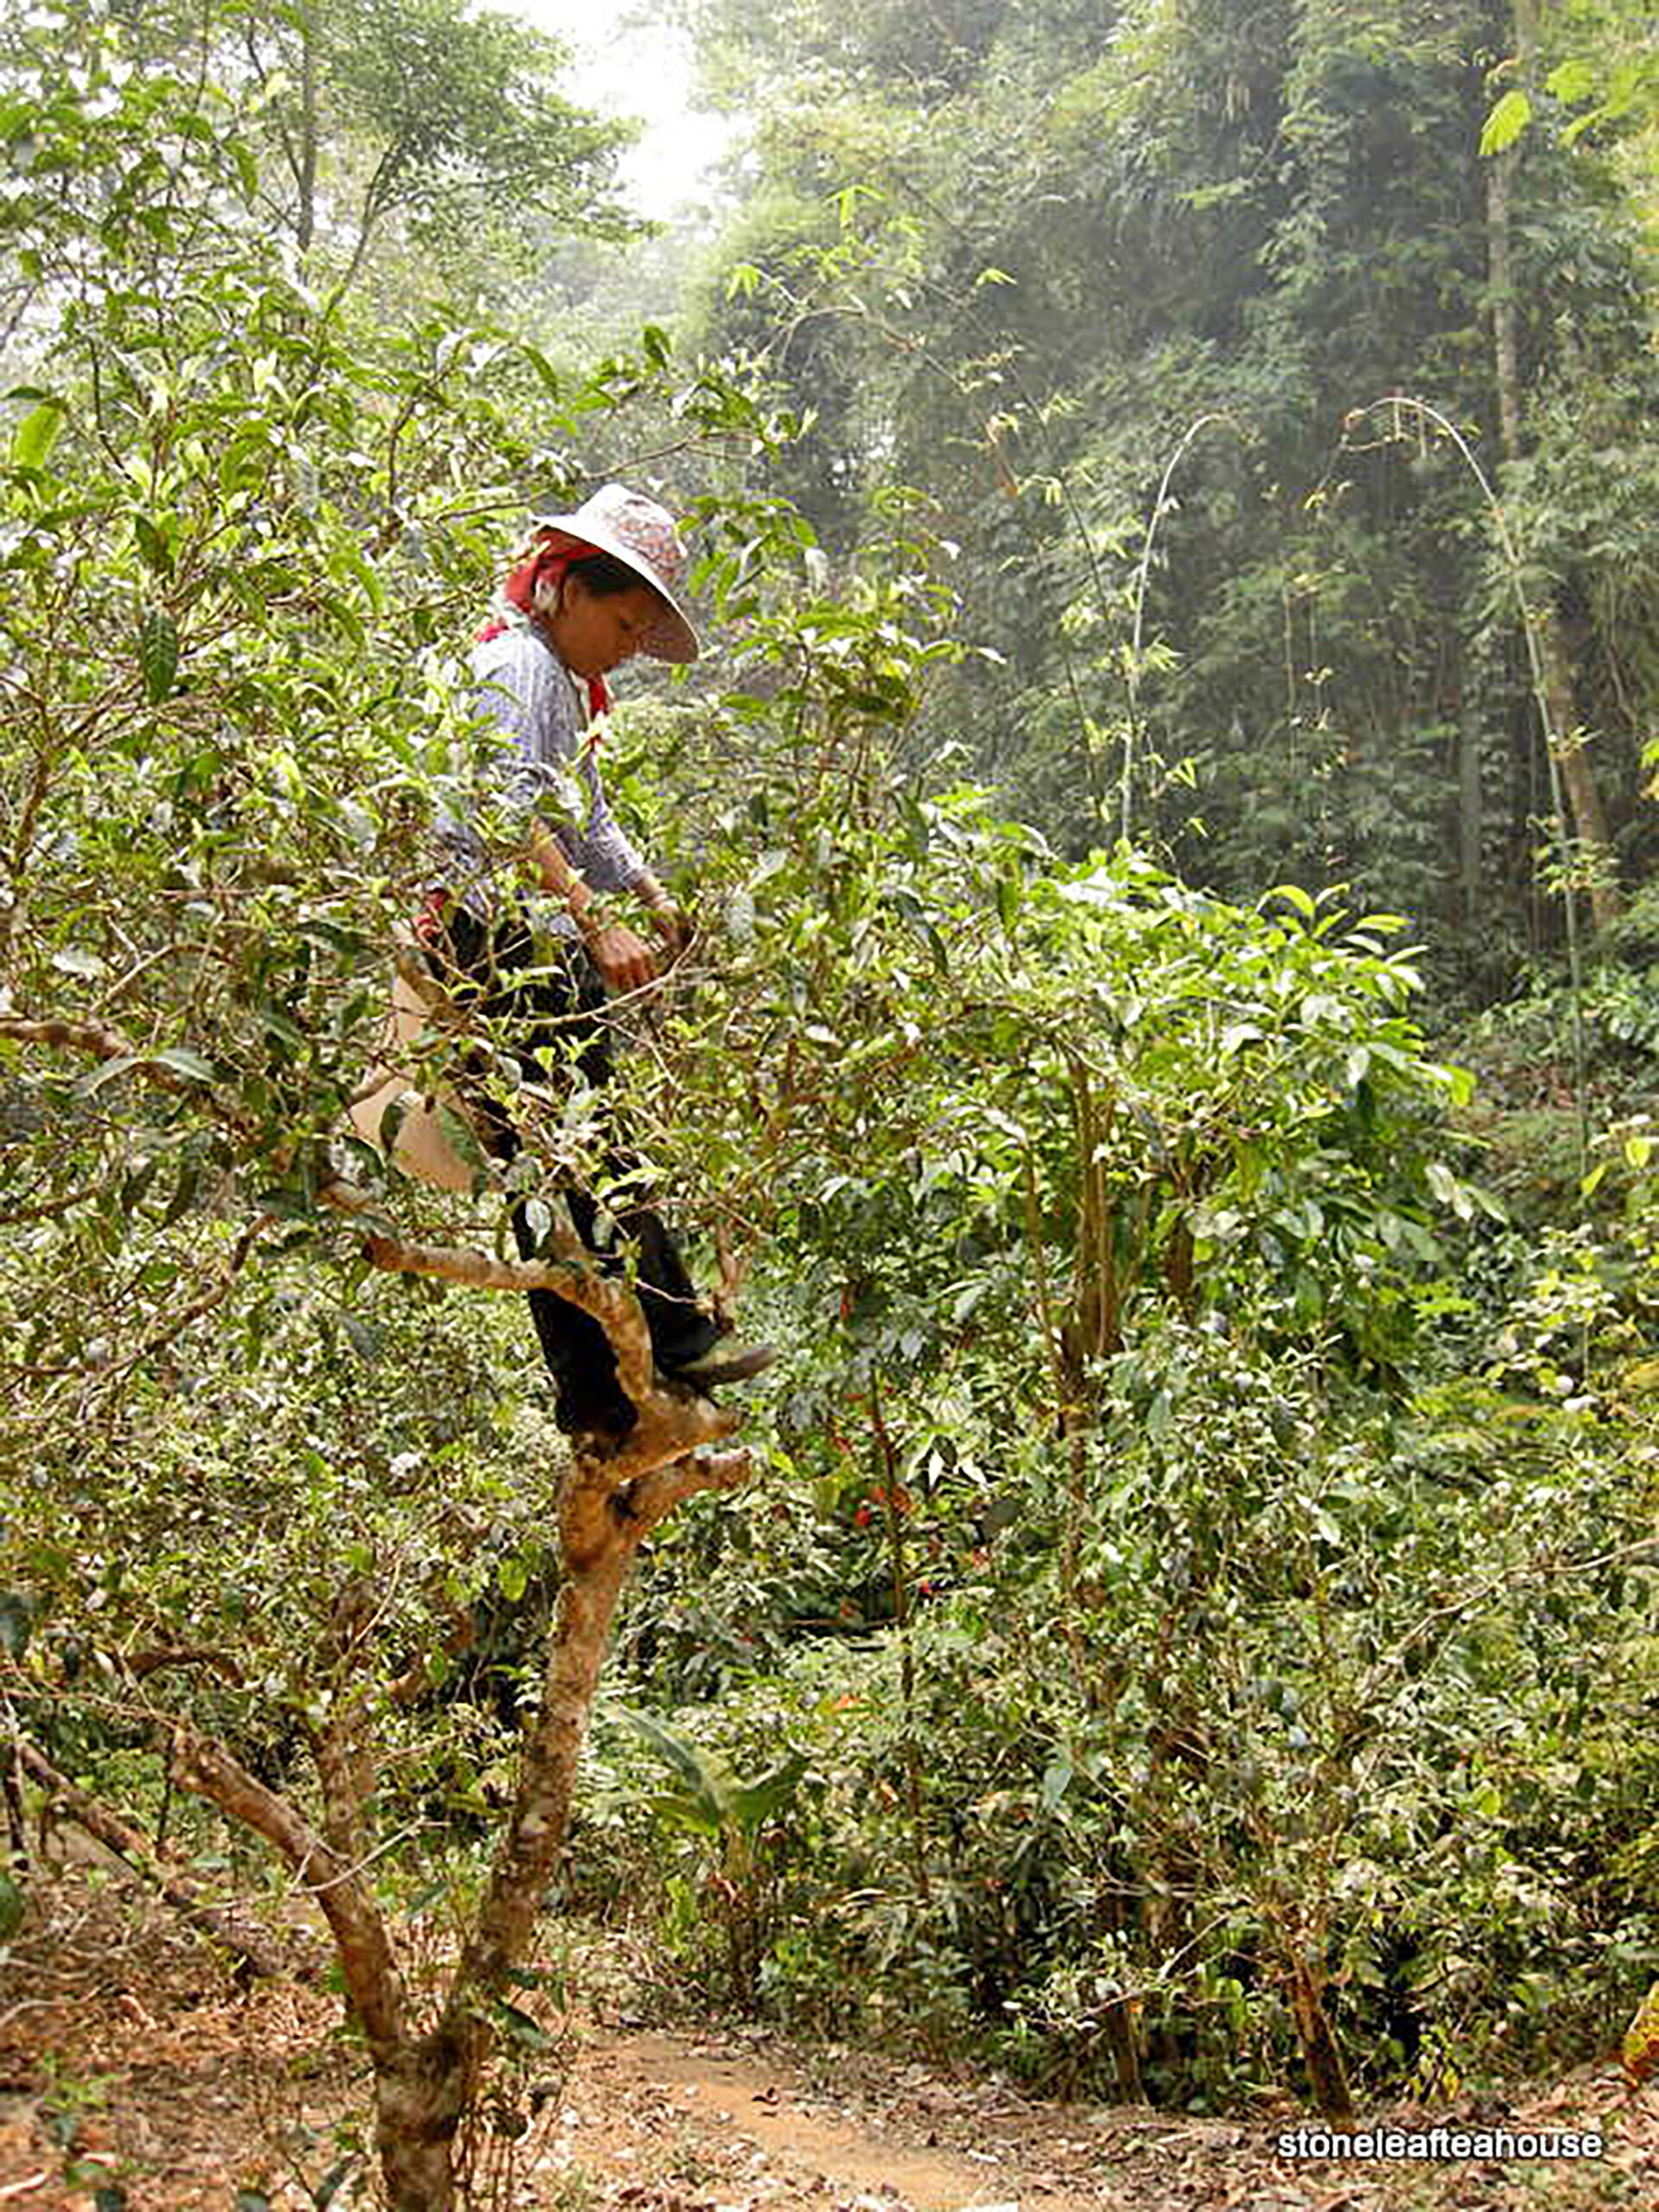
(624, 961)
(672, 925)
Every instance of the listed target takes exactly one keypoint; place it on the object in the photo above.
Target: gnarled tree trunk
(426, 2076)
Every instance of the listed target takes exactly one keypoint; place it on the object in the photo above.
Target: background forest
(1167, 1049)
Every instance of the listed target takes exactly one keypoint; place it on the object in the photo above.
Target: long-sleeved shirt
(525, 690)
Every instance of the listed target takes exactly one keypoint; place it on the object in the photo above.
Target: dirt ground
(136, 2078)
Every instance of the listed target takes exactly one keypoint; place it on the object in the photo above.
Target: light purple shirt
(526, 691)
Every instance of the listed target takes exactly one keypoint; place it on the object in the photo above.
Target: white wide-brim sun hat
(641, 535)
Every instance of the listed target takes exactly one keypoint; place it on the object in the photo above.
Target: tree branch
(253, 1957)
(655, 1497)
(340, 1748)
(606, 1507)
(142, 1664)
(97, 1037)
(570, 1276)
(365, 1956)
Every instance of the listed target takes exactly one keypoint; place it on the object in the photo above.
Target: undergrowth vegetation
(1345, 1680)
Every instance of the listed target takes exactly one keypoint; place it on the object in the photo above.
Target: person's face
(594, 634)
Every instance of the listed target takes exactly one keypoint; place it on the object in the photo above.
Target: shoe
(742, 1364)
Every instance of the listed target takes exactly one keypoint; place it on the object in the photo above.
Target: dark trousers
(558, 1006)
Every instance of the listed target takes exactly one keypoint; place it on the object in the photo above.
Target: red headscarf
(550, 554)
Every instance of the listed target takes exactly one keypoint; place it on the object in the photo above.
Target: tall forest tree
(1020, 277)
(442, 120)
(423, 140)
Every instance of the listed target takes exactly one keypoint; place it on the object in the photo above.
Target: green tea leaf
(158, 655)
(36, 435)
(1506, 122)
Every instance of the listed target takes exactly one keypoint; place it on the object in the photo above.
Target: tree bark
(1471, 810)
(1326, 2073)
(409, 2073)
(605, 1509)
(306, 175)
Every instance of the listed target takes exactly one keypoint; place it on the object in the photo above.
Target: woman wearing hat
(590, 590)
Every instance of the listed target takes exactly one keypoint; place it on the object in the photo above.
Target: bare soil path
(136, 2078)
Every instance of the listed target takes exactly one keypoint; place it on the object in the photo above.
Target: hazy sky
(645, 72)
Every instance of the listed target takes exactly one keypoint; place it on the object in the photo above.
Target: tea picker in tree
(522, 935)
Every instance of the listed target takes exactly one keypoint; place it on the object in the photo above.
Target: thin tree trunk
(1471, 808)
(1500, 179)
(306, 167)
(1326, 2073)
(901, 1624)
(1583, 796)
(606, 1507)
(367, 1963)
(426, 2082)
(1588, 824)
